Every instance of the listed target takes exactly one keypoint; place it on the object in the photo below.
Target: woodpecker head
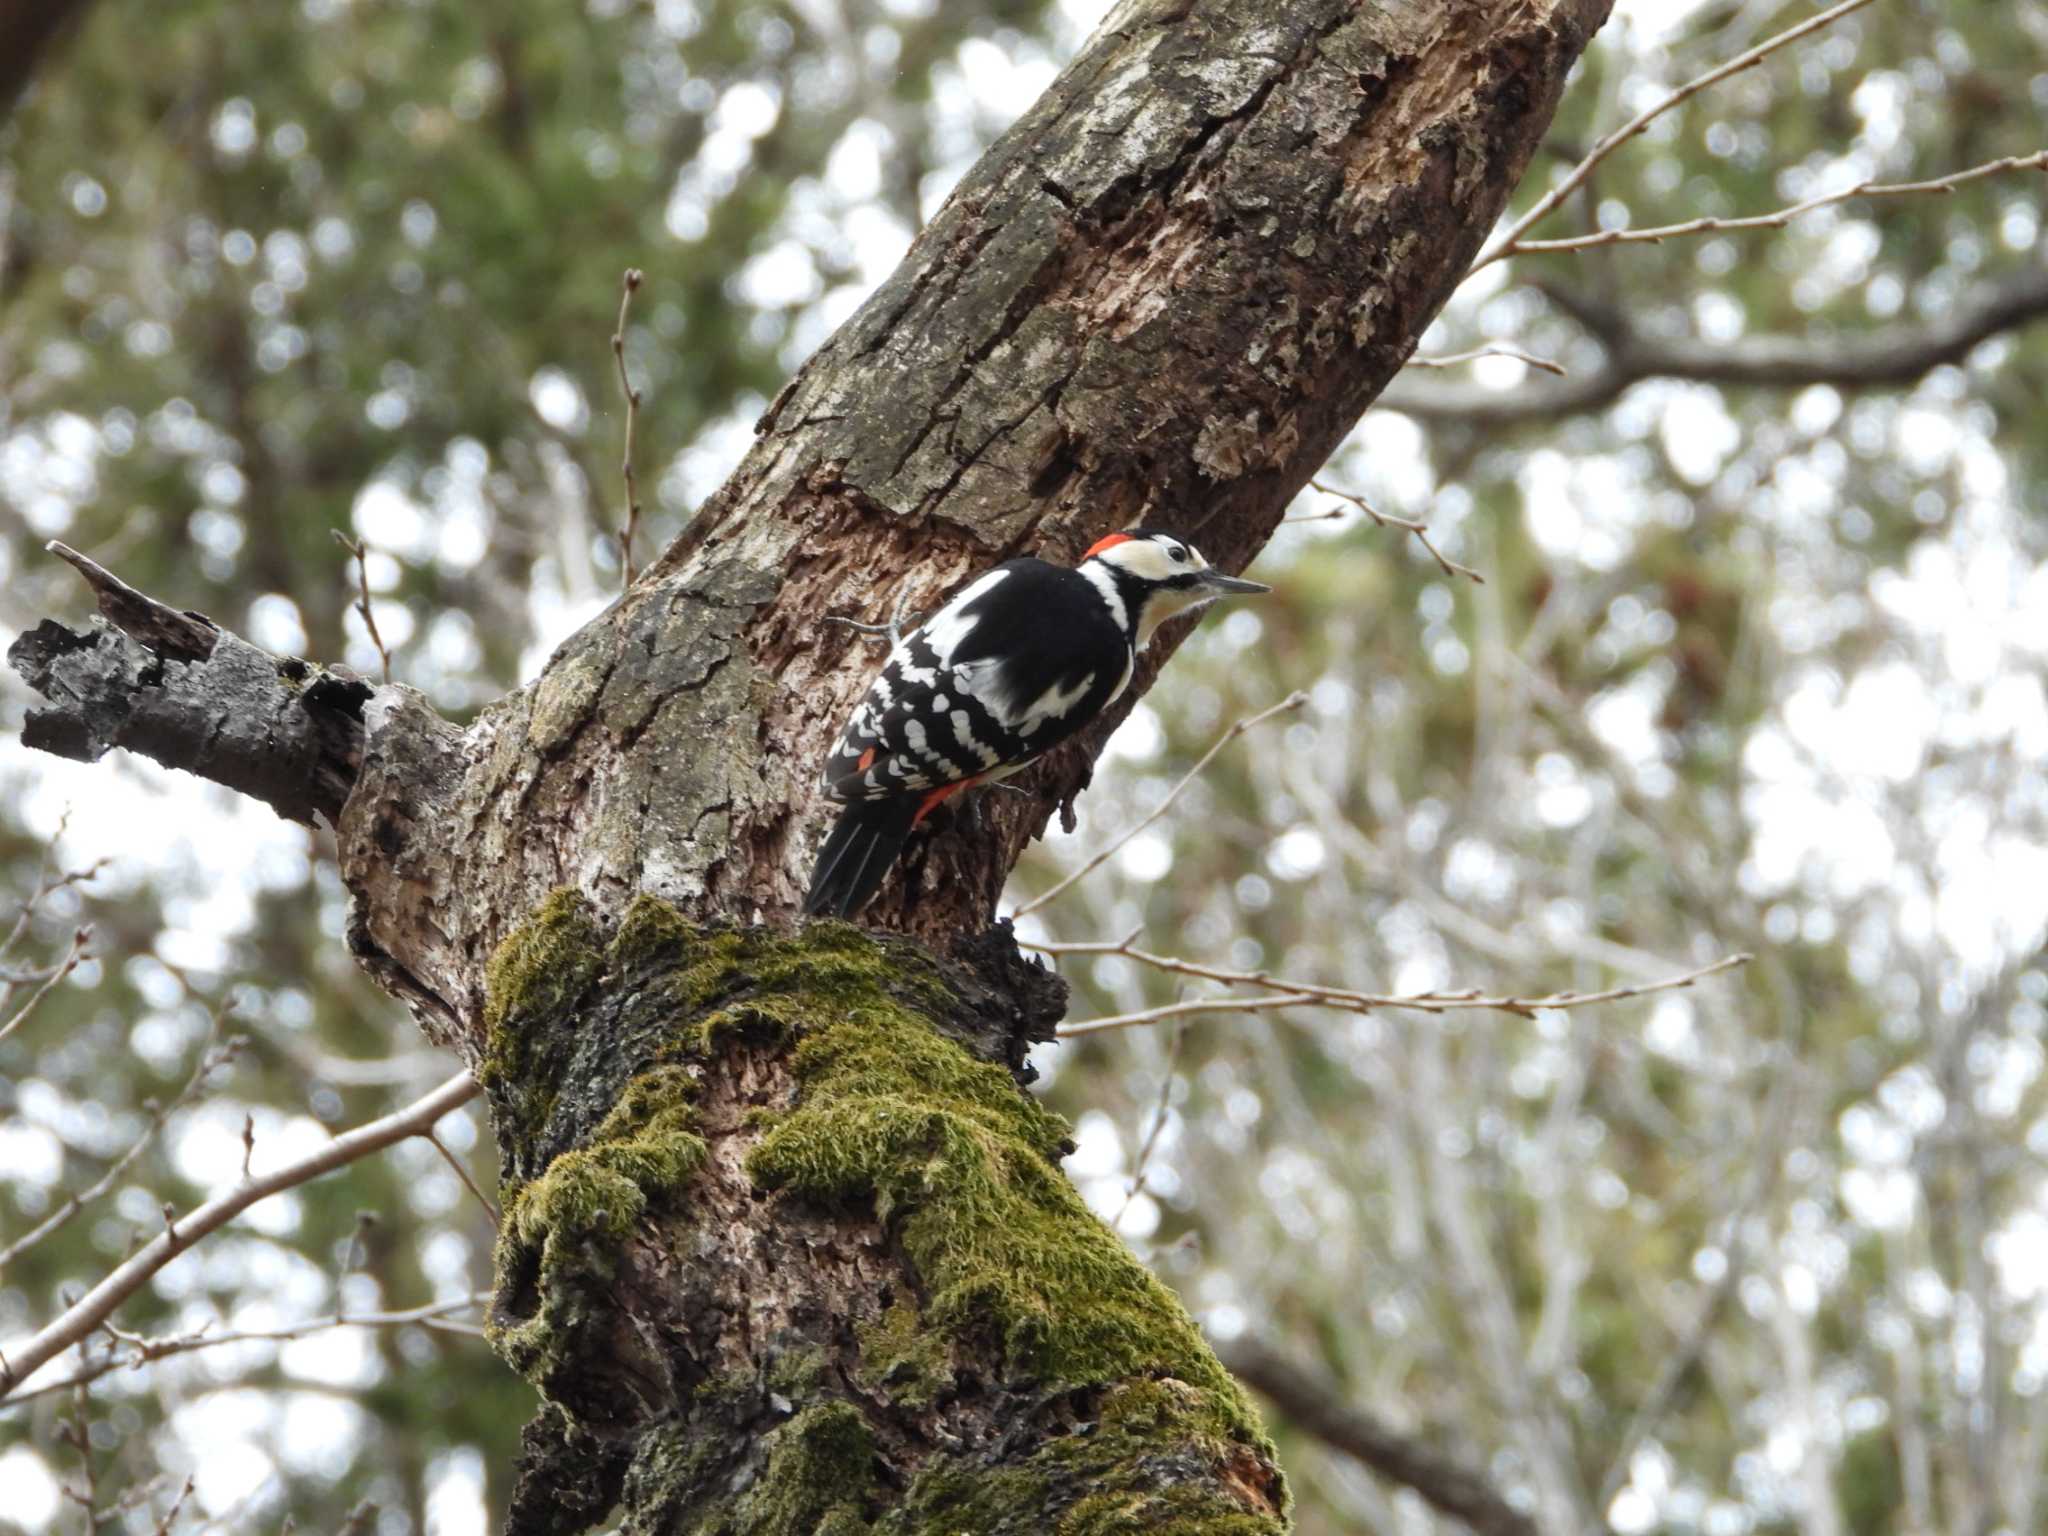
(1155, 575)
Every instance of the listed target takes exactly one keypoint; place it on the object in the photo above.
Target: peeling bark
(785, 1246)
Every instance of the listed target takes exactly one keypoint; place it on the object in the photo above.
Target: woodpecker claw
(893, 629)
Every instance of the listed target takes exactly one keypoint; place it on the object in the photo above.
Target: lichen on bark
(784, 1231)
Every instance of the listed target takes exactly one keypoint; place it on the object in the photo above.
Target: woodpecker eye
(1176, 554)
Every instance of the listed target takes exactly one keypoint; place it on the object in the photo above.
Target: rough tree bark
(786, 1246)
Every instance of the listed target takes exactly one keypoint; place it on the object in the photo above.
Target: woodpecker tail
(858, 854)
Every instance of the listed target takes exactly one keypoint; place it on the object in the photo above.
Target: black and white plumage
(1013, 665)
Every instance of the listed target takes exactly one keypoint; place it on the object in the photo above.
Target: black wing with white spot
(1013, 665)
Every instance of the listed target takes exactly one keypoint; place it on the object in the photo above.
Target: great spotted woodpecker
(1015, 664)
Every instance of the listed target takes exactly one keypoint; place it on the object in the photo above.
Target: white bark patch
(1227, 446)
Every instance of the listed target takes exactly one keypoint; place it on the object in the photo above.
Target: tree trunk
(786, 1247)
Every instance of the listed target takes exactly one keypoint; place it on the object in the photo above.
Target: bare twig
(1511, 243)
(141, 1351)
(47, 885)
(1292, 701)
(1778, 219)
(74, 957)
(1187, 1009)
(1151, 1141)
(1492, 349)
(628, 286)
(461, 1172)
(170, 1518)
(1284, 992)
(1381, 519)
(76, 1432)
(361, 552)
(92, 1310)
(214, 1055)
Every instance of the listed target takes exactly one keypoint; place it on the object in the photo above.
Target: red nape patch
(867, 760)
(1108, 543)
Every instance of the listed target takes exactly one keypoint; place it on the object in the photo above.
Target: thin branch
(628, 286)
(74, 957)
(214, 1055)
(361, 552)
(1159, 1111)
(46, 887)
(93, 1310)
(170, 1518)
(1408, 524)
(1492, 349)
(1188, 1009)
(461, 1172)
(1869, 187)
(1292, 701)
(1285, 992)
(1307, 1396)
(143, 1351)
(1511, 243)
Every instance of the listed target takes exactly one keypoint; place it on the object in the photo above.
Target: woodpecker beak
(1219, 585)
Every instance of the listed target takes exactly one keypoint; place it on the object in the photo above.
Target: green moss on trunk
(1014, 1300)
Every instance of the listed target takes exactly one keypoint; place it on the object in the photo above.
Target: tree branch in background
(177, 688)
(213, 1055)
(1887, 356)
(361, 553)
(1288, 993)
(92, 1311)
(1388, 520)
(1315, 1404)
(1511, 243)
(1292, 701)
(628, 286)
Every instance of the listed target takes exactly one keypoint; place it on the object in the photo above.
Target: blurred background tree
(1756, 666)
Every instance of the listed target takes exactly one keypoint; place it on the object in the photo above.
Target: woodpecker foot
(893, 629)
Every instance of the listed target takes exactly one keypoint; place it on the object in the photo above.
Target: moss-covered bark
(787, 1249)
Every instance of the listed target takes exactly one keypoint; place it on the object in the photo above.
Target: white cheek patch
(1103, 582)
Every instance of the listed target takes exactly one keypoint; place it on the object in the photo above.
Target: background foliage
(1753, 669)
